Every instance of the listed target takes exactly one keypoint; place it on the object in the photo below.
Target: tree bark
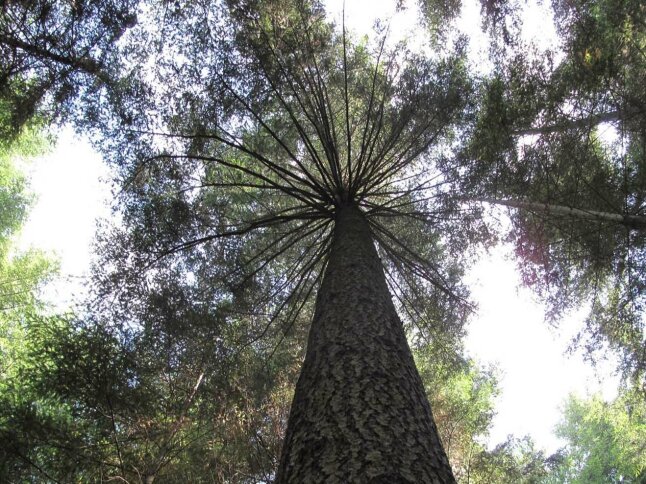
(360, 413)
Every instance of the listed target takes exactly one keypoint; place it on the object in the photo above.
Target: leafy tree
(515, 460)
(499, 19)
(605, 440)
(82, 399)
(462, 397)
(21, 276)
(141, 418)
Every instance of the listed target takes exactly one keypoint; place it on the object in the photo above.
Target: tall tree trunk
(359, 413)
(635, 222)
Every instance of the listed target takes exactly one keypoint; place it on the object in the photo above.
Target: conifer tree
(289, 154)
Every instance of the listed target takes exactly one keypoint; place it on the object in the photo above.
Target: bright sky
(508, 330)
(71, 194)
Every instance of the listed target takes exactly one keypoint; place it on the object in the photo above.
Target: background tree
(500, 19)
(514, 460)
(540, 145)
(605, 440)
(22, 273)
(462, 397)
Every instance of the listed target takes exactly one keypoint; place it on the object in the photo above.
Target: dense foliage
(605, 440)
(22, 273)
(53, 53)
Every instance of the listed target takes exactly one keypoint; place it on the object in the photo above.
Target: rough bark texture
(359, 413)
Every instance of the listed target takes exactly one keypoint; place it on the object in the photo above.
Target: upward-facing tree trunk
(359, 413)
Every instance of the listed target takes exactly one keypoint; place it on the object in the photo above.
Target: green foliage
(13, 195)
(605, 440)
(513, 461)
(25, 412)
(52, 53)
(462, 399)
(130, 415)
(20, 273)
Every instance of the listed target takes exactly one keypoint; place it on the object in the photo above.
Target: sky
(71, 193)
(508, 330)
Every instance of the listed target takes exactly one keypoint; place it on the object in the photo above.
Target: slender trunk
(586, 122)
(359, 413)
(635, 222)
